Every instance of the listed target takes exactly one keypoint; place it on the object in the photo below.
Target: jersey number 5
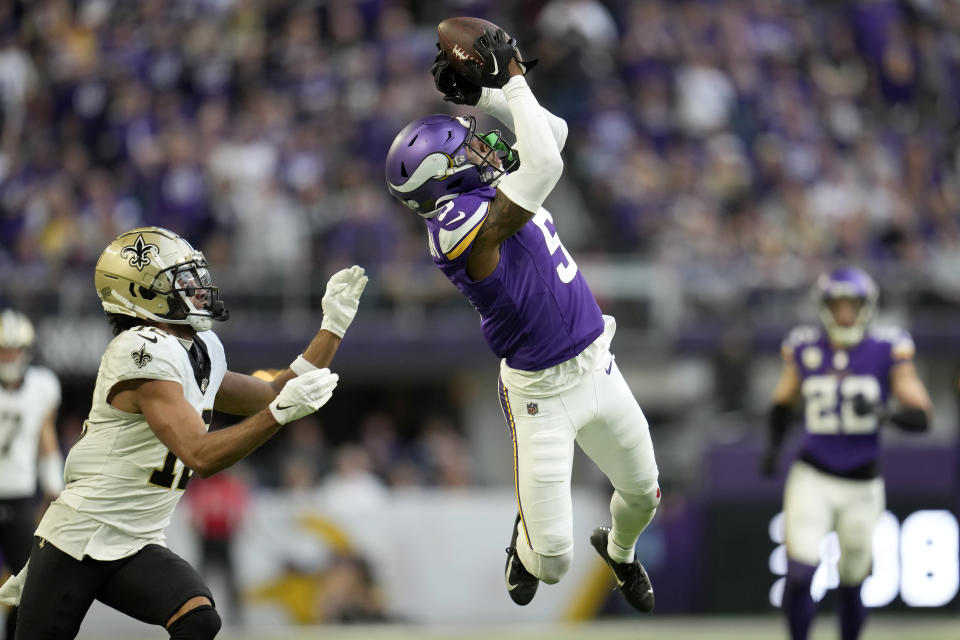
(165, 475)
(823, 396)
(566, 269)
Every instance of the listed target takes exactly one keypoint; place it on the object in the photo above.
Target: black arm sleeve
(777, 423)
(911, 419)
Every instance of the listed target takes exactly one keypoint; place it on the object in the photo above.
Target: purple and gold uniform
(536, 308)
(835, 485)
(837, 439)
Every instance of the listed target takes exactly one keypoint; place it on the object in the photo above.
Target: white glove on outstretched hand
(341, 299)
(303, 395)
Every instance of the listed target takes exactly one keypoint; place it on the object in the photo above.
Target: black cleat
(632, 580)
(521, 584)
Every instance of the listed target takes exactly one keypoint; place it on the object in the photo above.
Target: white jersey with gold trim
(23, 412)
(122, 483)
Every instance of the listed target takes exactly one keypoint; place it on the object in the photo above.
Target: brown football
(456, 37)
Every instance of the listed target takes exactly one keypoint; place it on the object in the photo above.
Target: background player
(159, 381)
(843, 376)
(29, 398)
(559, 383)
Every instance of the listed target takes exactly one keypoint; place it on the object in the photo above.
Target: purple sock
(797, 601)
(852, 611)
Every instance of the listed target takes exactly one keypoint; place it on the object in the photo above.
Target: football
(456, 37)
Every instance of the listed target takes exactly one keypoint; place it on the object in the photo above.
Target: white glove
(303, 395)
(341, 299)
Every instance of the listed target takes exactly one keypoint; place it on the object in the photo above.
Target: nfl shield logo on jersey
(532, 408)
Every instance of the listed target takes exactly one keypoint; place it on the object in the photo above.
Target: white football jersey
(122, 483)
(22, 413)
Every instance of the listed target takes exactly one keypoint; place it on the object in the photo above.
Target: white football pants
(816, 503)
(602, 416)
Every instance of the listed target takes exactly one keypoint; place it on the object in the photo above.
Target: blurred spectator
(352, 486)
(446, 454)
(349, 593)
(217, 508)
(801, 131)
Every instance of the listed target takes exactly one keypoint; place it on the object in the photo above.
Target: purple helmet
(851, 283)
(428, 163)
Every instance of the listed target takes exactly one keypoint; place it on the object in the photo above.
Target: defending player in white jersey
(29, 398)
(843, 375)
(159, 381)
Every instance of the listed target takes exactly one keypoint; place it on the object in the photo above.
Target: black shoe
(632, 580)
(521, 584)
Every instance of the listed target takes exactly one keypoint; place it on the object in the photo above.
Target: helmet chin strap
(200, 323)
(11, 372)
(845, 336)
(202, 319)
(840, 335)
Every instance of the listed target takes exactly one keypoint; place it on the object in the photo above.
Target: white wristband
(301, 366)
(50, 472)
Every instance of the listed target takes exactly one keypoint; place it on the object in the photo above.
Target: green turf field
(879, 628)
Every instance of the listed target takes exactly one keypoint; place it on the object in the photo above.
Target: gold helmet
(154, 274)
(16, 345)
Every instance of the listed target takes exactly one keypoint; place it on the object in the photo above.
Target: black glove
(911, 419)
(769, 463)
(862, 406)
(454, 87)
(496, 49)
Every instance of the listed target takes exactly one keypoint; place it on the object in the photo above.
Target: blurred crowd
(742, 143)
(359, 469)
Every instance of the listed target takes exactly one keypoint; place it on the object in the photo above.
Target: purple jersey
(837, 439)
(536, 309)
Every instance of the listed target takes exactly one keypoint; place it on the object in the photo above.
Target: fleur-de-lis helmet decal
(154, 274)
(138, 252)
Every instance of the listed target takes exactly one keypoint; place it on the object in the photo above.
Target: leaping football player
(559, 384)
(842, 374)
(159, 381)
(29, 450)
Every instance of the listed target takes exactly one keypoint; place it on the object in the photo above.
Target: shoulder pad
(144, 352)
(804, 334)
(900, 341)
(48, 379)
(458, 224)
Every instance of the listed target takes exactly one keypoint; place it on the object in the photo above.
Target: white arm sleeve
(540, 162)
(493, 103)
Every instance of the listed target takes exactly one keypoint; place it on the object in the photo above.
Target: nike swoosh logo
(510, 587)
(610, 367)
(153, 340)
(282, 408)
(496, 67)
(460, 216)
